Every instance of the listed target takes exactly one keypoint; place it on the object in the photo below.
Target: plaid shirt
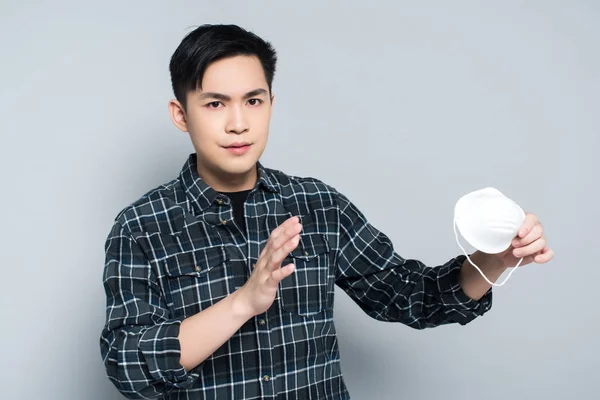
(177, 250)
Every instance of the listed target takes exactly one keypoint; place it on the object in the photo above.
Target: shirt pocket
(198, 279)
(306, 291)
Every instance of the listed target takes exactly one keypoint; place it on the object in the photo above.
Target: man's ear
(178, 115)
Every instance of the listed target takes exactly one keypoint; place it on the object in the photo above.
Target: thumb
(279, 274)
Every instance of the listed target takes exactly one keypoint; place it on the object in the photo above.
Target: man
(220, 282)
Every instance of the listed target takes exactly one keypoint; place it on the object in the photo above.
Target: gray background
(402, 106)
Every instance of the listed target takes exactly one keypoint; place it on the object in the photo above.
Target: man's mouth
(238, 148)
(238, 145)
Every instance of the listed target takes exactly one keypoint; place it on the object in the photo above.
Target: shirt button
(266, 378)
(224, 222)
(220, 201)
(262, 322)
(197, 268)
(306, 253)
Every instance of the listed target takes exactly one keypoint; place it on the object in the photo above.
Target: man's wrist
(470, 280)
(240, 305)
(488, 262)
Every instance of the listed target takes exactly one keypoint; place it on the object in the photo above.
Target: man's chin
(239, 167)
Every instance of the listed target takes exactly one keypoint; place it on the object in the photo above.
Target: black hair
(209, 43)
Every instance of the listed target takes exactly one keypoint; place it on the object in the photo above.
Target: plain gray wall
(402, 106)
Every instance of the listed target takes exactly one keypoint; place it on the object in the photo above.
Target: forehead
(234, 76)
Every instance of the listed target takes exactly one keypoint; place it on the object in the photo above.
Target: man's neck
(229, 183)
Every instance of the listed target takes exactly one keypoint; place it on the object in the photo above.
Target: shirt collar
(266, 180)
(201, 195)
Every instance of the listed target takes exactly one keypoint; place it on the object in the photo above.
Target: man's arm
(146, 352)
(202, 334)
(390, 288)
(139, 344)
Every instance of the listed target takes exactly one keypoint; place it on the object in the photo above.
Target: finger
(279, 274)
(546, 255)
(530, 249)
(277, 232)
(536, 232)
(281, 253)
(530, 221)
(542, 251)
(284, 237)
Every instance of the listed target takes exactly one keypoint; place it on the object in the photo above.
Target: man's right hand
(259, 291)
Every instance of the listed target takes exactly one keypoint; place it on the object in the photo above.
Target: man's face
(228, 121)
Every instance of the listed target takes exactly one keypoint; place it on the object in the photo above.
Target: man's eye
(254, 102)
(214, 104)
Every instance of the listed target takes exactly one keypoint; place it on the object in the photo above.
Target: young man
(220, 282)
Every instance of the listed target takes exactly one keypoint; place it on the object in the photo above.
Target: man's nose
(237, 122)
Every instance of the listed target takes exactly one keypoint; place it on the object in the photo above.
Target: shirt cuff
(460, 307)
(161, 349)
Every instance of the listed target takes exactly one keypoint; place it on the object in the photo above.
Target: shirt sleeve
(390, 288)
(139, 342)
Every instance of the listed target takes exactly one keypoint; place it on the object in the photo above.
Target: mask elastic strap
(476, 267)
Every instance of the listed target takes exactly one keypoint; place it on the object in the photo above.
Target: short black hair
(209, 43)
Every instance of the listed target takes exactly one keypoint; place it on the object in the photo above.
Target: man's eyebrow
(255, 92)
(224, 97)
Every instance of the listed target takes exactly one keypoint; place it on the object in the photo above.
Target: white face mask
(489, 221)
